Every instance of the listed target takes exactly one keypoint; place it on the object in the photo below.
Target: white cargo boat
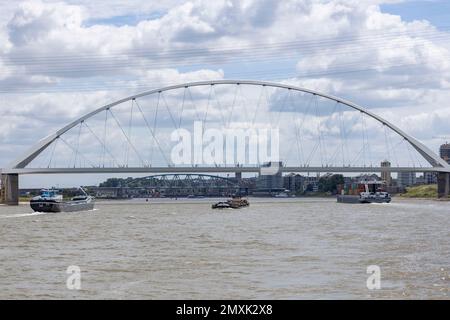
(370, 192)
(50, 200)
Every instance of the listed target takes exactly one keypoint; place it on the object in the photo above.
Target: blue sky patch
(435, 11)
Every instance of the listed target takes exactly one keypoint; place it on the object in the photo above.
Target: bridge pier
(238, 176)
(10, 189)
(443, 184)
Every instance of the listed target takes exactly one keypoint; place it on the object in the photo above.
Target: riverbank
(414, 193)
(423, 192)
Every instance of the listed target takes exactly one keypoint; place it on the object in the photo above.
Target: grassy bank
(424, 191)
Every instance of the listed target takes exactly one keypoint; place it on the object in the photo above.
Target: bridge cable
(258, 105)
(70, 147)
(52, 153)
(232, 106)
(206, 113)
(387, 143)
(152, 133)
(360, 154)
(364, 116)
(363, 139)
(283, 104)
(394, 148)
(130, 123)
(182, 108)
(416, 156)
(220, 107)
(45, 156)
(245, 101)
(318, 141)
(193, 103)
(308, 107)
(313, 151)
(207, 108)
(154, 128)
(334, 155)
(78, 144)
(126, 137)
(101, 143)
(104, 139)
(408, 146)
(319, 122)
(168, 110)
(357, 157)
(222, 118)
(299, 149)
(343, 134)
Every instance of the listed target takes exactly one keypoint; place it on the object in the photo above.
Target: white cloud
(55, 47)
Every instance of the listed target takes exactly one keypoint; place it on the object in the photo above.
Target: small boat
(235, 202)
(282, 195)
(50, 200)
(221, 205)
(192, 196)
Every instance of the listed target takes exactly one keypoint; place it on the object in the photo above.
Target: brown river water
(274, 249)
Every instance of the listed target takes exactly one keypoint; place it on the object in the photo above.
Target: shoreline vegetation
(427, 191)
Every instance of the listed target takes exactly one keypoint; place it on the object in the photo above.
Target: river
(274, 249)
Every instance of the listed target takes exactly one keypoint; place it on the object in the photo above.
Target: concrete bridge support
(443, 184)
(10, 189)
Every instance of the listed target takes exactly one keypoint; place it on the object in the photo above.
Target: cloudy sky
(61, 59)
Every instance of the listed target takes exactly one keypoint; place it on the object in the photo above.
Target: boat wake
(32, 214)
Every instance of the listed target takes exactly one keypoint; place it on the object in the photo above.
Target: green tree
(330, 183)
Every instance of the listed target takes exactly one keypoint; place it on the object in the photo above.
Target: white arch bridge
(317, 132)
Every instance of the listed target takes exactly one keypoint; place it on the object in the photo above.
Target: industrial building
(406, 179)
(444, 152)
(386, 175)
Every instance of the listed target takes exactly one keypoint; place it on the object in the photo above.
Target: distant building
(420, 180)
(293, 182)
(269, 184)
(444, 152)
(430, 177)
(386, 175)
(366, 177)
(311, 183)
(406, 179)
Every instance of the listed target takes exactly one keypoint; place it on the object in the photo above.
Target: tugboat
(235, 202)
(50, 200)
(365, 192)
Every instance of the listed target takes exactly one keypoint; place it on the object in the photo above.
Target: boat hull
(358, 199)
(68, 206)
(232, 204)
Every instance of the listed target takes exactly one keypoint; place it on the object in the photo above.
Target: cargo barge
(365, 192)
(51, 201)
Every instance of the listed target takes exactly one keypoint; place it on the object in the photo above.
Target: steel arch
(190, 175)
(432, 158)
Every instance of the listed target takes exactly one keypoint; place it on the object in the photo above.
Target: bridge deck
(217, 170)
